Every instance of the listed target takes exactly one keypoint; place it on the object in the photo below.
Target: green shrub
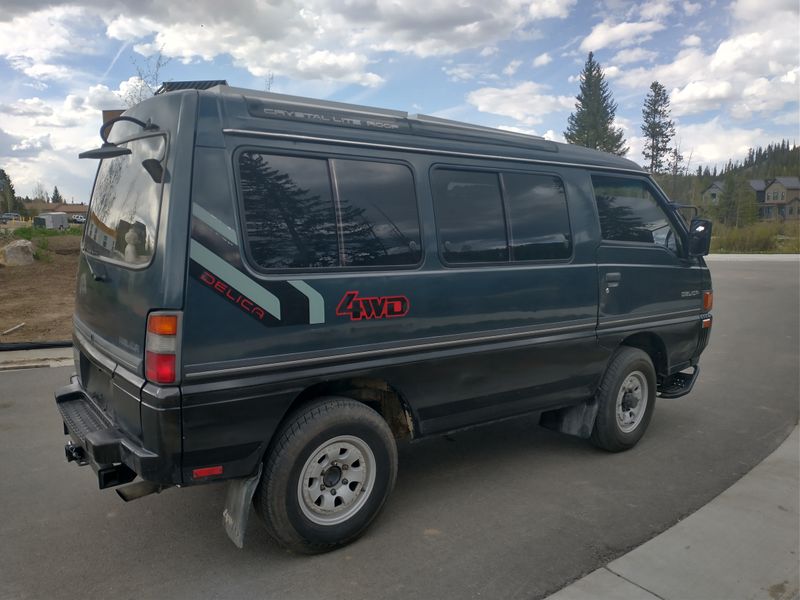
(758, 238)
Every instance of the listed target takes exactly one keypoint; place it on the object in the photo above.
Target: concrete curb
(753, 257)
(743, 544)
(30, 359)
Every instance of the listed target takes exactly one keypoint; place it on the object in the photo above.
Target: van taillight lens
(708, 301)
(161, 348)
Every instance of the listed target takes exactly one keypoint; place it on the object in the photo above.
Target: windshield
(123, 214)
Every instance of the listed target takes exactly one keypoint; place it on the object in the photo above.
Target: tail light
(161, 347)
(708, 300)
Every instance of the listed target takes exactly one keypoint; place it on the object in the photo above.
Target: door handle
(613, 279)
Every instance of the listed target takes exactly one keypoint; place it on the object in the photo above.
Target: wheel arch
(652, 345)
(377, 393)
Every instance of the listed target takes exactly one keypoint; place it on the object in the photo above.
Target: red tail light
(161, 347)
(708, 301)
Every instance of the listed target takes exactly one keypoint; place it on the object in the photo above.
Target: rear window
(123, 213)
(317, 213)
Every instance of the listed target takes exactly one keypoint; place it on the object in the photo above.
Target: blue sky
(731, 67)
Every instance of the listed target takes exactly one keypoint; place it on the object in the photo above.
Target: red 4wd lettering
(373, 307)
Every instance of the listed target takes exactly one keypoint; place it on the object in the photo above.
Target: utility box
(53, 220)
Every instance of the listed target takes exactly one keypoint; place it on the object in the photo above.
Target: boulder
(17, 254)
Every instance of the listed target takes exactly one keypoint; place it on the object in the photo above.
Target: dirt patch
(41, 295)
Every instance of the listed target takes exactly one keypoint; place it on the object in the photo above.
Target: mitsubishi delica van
(273, 291)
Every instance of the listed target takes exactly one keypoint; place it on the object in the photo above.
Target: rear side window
(630, 213)
(289, 211)
(537, 212)
(378, 213)
(312, 213)
(123, 213)
(469, 216)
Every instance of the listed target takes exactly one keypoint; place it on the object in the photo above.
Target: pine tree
(592, 123)
(8, 200)
(657, 127)
(56, 197)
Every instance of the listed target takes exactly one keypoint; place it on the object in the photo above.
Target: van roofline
(443, 129)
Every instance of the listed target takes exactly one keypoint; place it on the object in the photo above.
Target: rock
(17, 254)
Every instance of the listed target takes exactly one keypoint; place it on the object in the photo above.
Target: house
(781, 199)
(34, 207)
(758, 186)
(713, 193)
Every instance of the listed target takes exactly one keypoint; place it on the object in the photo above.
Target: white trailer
(53, 220)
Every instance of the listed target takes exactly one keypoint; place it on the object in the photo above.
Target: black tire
(609, 433)
(281, 502)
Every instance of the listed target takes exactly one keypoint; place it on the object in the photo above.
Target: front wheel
(626, 399)
(330, 471)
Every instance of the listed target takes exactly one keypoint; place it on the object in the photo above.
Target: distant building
(781, 199)
(713, 193)
(34, 207)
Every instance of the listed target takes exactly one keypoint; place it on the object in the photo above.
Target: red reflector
(160, 368)
(706, 323)
(206, 472)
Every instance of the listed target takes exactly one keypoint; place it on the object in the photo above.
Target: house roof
(720, 185)
(758, 185)
(790, 183)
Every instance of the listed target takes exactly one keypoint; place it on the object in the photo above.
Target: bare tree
(40, 193)
(268, 80)
(148, 78)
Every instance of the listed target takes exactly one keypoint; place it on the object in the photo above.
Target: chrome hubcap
(336, 480)
(632, 401)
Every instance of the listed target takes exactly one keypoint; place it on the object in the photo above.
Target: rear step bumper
(114, 456)
(679, 384)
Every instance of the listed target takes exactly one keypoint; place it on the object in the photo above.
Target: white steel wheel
(336, 480)
(632, 401)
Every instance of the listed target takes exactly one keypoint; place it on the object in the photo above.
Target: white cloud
(526, 103)
(656, 9)
(27, 107)
(550, 9)
(712, 142)
(691, 40)
(691, 8)
(488, 51)
(633, 55)
(620, 34)
(542, 60)
(699, 96)
(512, 67)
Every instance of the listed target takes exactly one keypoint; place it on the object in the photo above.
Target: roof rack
(173, 86)
(449, 123)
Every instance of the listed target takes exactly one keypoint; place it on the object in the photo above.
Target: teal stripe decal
(234, 277)
(316, 303)
(221, 228)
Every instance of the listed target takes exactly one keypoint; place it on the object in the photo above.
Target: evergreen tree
(657, 127)
(592, 123)
(8, 200)
(56, 197)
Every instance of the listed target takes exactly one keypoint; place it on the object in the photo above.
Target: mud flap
(573, 420)
(237, 506)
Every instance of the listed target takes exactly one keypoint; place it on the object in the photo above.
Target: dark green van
(273, 290)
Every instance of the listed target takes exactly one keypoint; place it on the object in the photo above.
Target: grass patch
(759, 238)
(28, 233)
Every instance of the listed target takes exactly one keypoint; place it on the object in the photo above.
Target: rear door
(646, 281)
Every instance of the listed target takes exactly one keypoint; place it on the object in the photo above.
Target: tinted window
(629, 212)
(537, 211)
(289, 211)
(469, 216)
(123, 212)
(378, 213)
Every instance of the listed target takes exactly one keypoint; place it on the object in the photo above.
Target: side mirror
(699, 237)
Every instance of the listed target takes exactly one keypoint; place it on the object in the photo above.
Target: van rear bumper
(94, 440)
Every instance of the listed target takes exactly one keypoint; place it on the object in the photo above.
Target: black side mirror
(699, 237)
(107, 150)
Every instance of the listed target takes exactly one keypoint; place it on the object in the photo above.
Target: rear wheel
(626, 399)
(331, 469)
